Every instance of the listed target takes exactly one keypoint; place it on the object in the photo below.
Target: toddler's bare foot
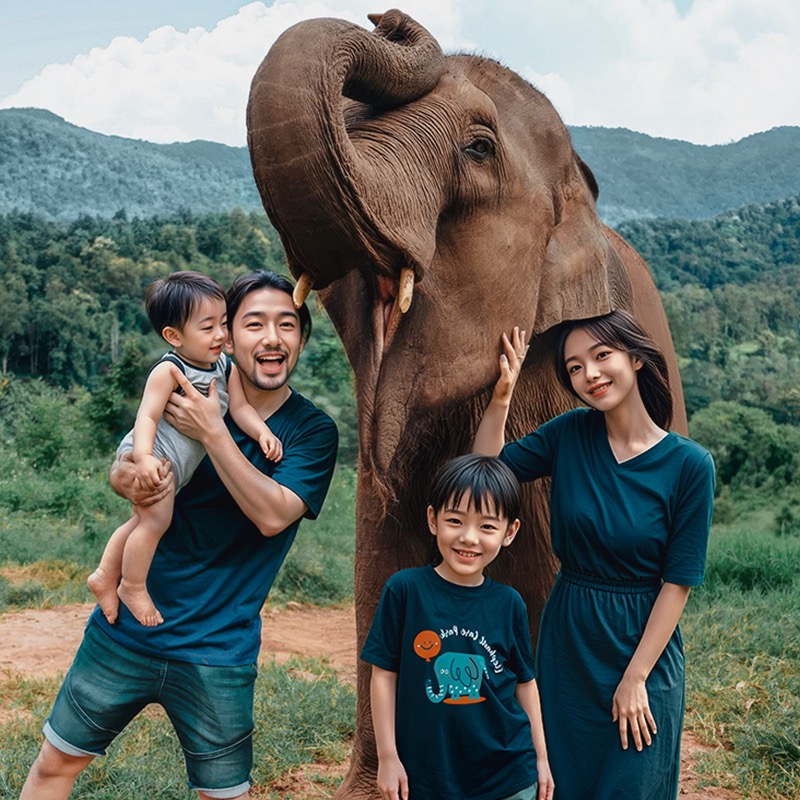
(104, 588)
(137, 599)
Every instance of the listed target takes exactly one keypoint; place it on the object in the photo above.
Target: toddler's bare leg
(138, 555)
(103, 581)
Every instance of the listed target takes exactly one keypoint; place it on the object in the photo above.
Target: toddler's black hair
(172, 300)
(490, 485)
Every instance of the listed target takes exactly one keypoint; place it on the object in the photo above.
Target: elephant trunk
(311, 177)
(433, 696)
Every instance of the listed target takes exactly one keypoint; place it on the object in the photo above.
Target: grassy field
(742, 634)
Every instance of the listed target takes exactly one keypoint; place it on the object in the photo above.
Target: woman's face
(604, 377)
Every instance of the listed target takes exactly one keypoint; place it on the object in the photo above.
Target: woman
(630, 514)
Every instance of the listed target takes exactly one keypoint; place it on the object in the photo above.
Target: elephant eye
(480, 148)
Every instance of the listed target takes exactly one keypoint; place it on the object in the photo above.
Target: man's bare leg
(53, 774)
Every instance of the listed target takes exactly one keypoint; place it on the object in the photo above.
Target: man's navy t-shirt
(213, 569)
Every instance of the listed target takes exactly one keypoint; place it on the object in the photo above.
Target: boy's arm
(269, 505)
(490, 437)
(247, 418)
(160, 385)
(527, 695)
(392, 778)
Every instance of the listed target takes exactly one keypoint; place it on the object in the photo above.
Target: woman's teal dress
(619, 530)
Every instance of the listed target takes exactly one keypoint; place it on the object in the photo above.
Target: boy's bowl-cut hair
(489, 484)
(172, 300)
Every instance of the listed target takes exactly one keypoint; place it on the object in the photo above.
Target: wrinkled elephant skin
(396, 175)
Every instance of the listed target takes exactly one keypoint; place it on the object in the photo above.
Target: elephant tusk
(302, 290)
(406, 291)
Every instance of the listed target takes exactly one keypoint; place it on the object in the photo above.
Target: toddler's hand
(148, 471)
(271, 445)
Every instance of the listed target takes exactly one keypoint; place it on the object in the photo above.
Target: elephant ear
(581, 276)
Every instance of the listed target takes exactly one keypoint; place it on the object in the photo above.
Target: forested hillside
(643, 177)
(71, 312)
(61, 171)
(58, 170)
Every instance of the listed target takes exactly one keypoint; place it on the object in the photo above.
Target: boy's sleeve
(383, 643)
(521, 653)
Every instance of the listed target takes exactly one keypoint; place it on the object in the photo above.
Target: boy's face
(201, 339)
(469, 539)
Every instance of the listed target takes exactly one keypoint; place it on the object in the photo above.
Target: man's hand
(193, 414)
(125, 481)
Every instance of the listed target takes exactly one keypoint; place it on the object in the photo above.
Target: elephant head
(433, 202)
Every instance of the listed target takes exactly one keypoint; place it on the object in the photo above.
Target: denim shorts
(211, 709)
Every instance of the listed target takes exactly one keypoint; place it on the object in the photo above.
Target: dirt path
(41, 643)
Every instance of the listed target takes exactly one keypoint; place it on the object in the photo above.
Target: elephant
(459, 675)
(432, 202)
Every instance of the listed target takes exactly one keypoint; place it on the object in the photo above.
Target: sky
(705, 71)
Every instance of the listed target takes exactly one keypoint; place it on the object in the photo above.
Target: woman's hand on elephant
(392, 779)
(511, 359)
(631, 709)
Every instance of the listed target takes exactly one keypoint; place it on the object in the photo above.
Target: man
(232, 526)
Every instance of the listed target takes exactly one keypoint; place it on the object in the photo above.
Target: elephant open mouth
(393, 300)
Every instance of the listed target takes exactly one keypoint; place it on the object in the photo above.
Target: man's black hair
(262, 279)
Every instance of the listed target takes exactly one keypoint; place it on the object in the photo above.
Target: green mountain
(643, 177)
(60, 171)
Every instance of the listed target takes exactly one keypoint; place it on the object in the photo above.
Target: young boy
(188, 310)
(455, 705)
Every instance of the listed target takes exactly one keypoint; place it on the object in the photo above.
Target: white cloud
(177, 86)
(720, 71)
(725, 69)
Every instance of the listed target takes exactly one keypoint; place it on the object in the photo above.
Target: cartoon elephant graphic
(459, 675)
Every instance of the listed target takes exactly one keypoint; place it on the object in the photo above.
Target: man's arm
(270, 506)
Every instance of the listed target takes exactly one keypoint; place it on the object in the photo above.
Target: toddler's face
(201, 339)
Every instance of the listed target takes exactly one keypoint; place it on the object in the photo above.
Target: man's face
(266, 338)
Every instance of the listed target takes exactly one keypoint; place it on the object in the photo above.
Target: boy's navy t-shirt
(213, 568)
(459, 652)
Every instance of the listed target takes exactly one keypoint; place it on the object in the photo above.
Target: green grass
(49, 550)
(302, 714)
(742, 634)
(741, 628)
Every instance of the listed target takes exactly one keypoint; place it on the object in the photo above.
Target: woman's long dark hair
(621, 331)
